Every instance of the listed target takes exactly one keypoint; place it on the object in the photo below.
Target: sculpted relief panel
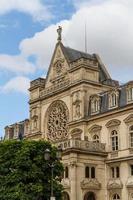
(57, 121)
(76, 105)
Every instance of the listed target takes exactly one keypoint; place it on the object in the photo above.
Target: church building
(80, 107)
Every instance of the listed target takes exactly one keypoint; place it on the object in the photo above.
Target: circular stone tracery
(57, 120)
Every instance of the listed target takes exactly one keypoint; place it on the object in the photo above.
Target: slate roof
(74, 55)
(104, 103)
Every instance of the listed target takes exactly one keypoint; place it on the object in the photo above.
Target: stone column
(73, 180)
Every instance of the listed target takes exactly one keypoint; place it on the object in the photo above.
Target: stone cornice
(113, 160)
(63, 89)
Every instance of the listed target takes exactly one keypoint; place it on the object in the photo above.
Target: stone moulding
(129, 183)
(90, 184)
(114, 122)
(129, 119)
(114, 184)
(95, 128)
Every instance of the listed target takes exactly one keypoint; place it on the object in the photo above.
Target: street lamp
(47, 155)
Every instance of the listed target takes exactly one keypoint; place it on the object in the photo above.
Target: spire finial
(59, 31)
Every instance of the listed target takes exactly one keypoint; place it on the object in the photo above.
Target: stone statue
(59, 31)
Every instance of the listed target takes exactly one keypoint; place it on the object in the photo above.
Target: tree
(24, 173)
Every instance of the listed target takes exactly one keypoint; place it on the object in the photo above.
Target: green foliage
(24, 173)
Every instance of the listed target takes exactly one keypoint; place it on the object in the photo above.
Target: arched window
(131, 136)
(112, 100)
(116, 197)
(87, 173)
(66, 196)
(114, 140)
(92, 172)
(89, 196)
(95, 138)
(66, 172)
(115, 171)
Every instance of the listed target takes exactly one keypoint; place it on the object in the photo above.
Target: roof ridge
(78, 51)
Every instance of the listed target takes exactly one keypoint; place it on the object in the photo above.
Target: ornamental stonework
(57, 121)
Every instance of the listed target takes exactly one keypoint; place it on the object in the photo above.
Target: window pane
(131, 170)
(117, 172)
(113, 172)
(92, 172)
(66, 172)
(87, 172)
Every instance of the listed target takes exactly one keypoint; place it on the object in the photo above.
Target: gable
(58, 69)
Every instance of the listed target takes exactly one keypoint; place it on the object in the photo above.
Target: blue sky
(28, 36)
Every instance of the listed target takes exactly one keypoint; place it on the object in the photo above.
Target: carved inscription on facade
(57, 128)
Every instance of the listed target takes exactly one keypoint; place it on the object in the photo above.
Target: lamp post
(47, 156)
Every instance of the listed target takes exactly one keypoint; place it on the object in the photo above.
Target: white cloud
(42, 44)
(35, 8)
(17, 64)
(109, 33)
(17, 84)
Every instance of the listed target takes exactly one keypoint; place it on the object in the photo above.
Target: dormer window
(113, 100)
(95, 105)
(130, 94)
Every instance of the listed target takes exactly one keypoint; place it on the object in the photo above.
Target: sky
(28, 37)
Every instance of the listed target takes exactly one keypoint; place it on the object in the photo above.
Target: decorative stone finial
(59, 31)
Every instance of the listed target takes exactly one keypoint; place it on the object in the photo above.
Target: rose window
(57, 127)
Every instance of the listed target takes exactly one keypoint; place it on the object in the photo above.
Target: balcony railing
(82, 145)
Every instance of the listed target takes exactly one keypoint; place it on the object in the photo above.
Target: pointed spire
(59, 31)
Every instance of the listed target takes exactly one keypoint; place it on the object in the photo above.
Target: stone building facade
(80, 107)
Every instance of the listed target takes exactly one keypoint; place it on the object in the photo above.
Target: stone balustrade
(83, 61)
(82, 145)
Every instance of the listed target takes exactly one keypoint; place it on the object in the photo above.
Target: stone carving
(129, 183)
(57, 128)
(76, 133)
(59, 31)
(90, 184)
(77, 106)
(66, 183)
(114, 122)
(59, 66)
(129, 119)
(95, 128)
(115, 184)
